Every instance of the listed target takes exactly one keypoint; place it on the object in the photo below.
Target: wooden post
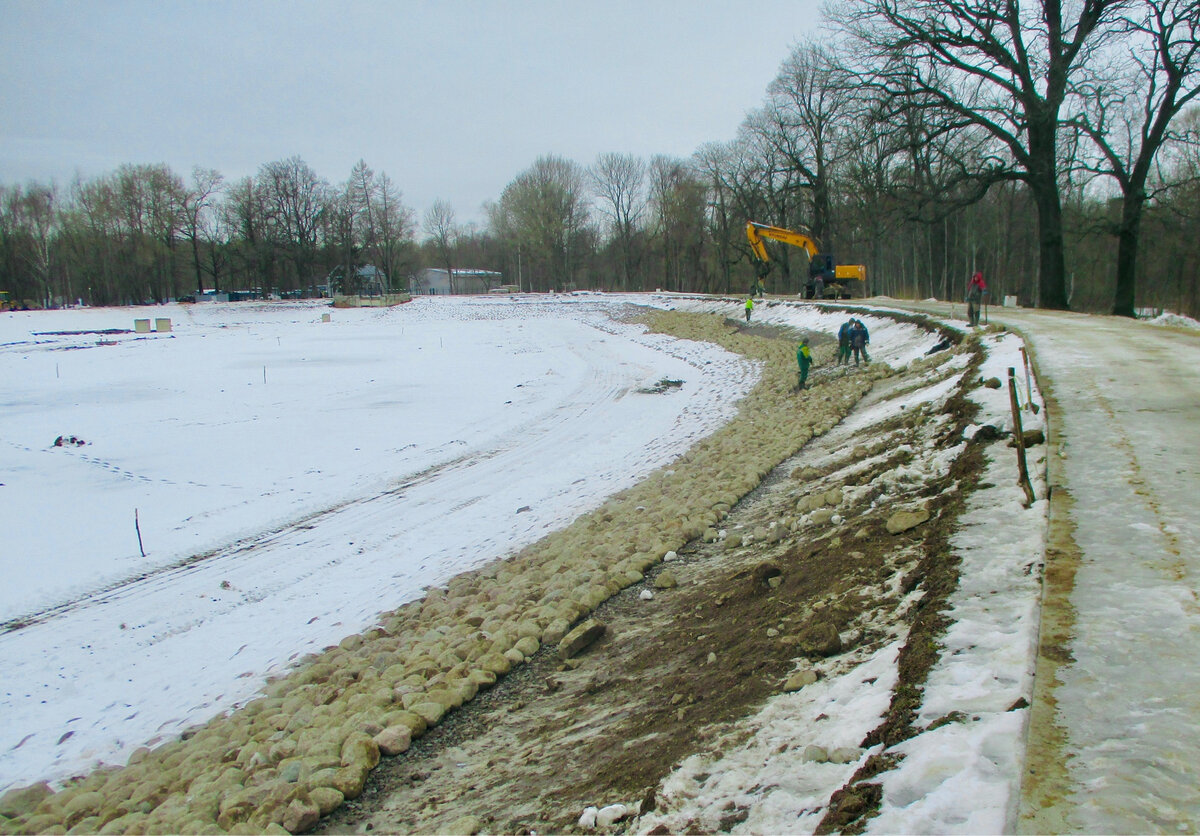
(1019, 438)
(1028, 381)
(138, 529)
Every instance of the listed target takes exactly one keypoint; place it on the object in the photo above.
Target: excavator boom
(755, 232)
(850, 279)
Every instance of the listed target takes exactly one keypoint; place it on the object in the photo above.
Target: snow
(1176, 320)
(289, 454)
(264, 507)
(987, 662)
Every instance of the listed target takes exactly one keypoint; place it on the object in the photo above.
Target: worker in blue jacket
(859, 339)
(844, 341)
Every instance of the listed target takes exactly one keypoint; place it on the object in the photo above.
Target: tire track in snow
(166, 575)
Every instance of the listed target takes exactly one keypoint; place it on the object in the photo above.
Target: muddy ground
(673, 673)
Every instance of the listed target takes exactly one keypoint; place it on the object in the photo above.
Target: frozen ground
(515, 404)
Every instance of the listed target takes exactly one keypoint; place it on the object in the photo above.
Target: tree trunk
(1127, 249)
(196, 264)
(1042, 173)
(1052, 285)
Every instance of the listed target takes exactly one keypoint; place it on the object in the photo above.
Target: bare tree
(773, 188)
(442, 229)
(368, 221)
(217, 233)
(394, 229)
(296, 199)
(1130, 114)
(93, 236)
(28, 224)
(618, 181)
(545, 208)
(149, 202)
(1001, 65)
(197, 207)
(244, 213)
(679, 204)
(726, 217)
(806, 115)
(362, 190)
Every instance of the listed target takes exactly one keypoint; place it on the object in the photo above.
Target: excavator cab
(823, 266)
(821, 276)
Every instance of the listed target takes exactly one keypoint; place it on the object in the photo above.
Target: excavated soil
(672, 672)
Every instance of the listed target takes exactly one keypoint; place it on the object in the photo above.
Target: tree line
(1054, 146)
(143, 234)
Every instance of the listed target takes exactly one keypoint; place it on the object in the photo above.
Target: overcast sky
(452, 99)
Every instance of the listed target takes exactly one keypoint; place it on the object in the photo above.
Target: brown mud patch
(1046, 783)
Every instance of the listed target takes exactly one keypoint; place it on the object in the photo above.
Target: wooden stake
(138, 529)
(1019, 438)
(1028, 381)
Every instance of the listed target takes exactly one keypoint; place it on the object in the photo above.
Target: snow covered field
(291, 478)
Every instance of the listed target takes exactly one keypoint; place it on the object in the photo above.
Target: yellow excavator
(826, 279)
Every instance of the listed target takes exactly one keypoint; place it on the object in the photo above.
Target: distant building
(371, 281)
(368, 280)
(435, 281)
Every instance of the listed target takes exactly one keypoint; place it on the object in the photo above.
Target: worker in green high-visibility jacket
(804, 361)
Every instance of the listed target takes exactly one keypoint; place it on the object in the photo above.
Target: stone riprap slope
(311, 740)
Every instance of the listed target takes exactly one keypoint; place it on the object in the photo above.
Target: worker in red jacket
(975, 290)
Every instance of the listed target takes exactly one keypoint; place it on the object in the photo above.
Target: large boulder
(902, 521)
(581, 638)
(666, 580)
(24, 800)
(393, 740)
(799, 680)
(820, 639)
(301, 815)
